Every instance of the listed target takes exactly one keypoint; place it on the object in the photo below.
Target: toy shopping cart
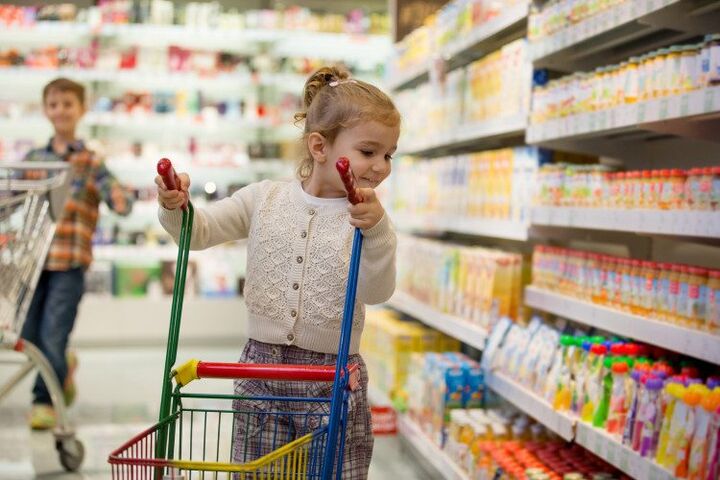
(196, 435)
(29, 209)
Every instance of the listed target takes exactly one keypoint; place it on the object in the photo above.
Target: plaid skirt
(258, 432)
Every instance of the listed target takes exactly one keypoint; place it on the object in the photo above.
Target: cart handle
(169, 176)
(196, 369)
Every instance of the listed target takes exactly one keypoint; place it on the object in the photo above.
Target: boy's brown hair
(63, 84)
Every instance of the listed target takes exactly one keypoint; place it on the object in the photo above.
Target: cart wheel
(71, 452)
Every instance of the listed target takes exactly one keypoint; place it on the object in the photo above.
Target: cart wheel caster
(71, 453)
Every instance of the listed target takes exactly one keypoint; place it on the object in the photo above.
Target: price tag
(611, 452)
(624, 461)
(663, 109)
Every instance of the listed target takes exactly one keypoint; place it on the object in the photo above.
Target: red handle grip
(171, 180)
(307, 373)
(167, 172)
(348, 179)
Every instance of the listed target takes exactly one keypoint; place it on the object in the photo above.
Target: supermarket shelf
(643, 131)
(452, 325)
(495, 133)
(530, 403)
(609, 449)
(428, 452)
(141, 253)
(678, 223)
(147, 78)
(355, 48)
(683, 340)
(506, 229)
(506, 27)
(630, 28)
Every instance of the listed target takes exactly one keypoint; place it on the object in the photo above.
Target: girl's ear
(316, 144)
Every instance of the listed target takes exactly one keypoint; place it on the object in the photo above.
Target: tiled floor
(119, 392)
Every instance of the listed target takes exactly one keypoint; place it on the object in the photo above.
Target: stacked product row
(643, 397)
(492, 88)
(452, 23)
(557, 15)
(478, 284)
(681, 294)
(495, 184)
(596, 186)
(196, 15)
(661, 73)
(387, 344)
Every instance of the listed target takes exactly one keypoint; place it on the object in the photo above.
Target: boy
(52, 312)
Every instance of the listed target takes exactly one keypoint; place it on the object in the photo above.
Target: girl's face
(368, 145)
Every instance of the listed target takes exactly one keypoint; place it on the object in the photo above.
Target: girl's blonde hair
(332, 101)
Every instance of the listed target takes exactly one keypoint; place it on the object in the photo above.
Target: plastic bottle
(713, 469)
(699, 449)
(679, 446)
(669, 398)
(715, 189)
(683, 297)
(697, 297)
(674, 293)
(617, 413)
(601, 412)
(593, 382)
(712, 322)
(662, 292)
(714, 63)
(648, 418)
(634, 387)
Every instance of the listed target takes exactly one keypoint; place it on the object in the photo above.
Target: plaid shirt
(90, 183)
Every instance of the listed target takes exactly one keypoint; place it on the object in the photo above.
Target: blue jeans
(50, 320)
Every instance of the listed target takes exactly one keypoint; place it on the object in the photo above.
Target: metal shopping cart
(196, 433)
(28, 212)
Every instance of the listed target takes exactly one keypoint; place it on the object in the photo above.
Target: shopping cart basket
(196, 433)
(29, 209)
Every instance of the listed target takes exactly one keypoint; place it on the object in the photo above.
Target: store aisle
(118, 396)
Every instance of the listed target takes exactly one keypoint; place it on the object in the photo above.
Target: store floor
(119, 392)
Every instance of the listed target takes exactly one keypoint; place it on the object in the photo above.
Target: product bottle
(699, 449)
(649, 416)
(712, 322)
(601, 412)
(669, 398)
(617, 413)
(691, 401)
(593, 382)
(635, 387)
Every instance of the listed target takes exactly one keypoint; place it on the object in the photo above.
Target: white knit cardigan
(297, 262)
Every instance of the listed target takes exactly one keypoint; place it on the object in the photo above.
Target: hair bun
(319, 79)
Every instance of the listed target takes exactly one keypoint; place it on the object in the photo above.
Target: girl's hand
(172, 199)
(367, 213)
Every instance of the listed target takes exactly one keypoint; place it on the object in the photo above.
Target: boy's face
(64, 111)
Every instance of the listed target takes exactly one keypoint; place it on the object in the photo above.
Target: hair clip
(335, 83)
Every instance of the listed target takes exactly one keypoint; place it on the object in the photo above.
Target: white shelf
(510, 24)
(479, 136)
(693, 343)
(685, 223)
(146, 78)
(507, 229)
(563, 49)
(609, 449)
(132, 253)
(444, 467)
(452, 325)
(530, 403)
(355, 48)
(628, 117)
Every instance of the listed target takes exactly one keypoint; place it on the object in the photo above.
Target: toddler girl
(299, 238)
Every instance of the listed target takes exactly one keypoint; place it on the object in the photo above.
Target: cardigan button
(299, 259)
(311, 211)
(296, 286)
(290, 337)
(303, 234)
(293, 313)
